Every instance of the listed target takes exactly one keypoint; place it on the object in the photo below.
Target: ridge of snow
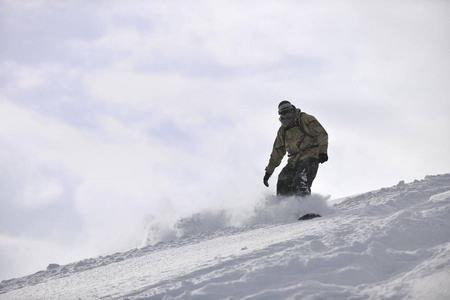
(384, 244)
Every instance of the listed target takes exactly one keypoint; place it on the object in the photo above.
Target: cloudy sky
(116, 112)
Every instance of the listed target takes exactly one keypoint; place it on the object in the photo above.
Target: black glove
(266, 179)
(323, 157)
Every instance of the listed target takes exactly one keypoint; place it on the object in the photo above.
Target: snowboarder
(306, 142)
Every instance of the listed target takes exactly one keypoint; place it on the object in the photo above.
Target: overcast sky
(116, 112)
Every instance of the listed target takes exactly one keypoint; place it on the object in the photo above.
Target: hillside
(393, 243)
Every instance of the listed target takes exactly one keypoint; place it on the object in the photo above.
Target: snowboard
(308, 217)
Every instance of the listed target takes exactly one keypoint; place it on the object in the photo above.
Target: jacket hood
(291, 122)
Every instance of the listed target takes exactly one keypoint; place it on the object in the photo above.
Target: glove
(266, 179)
(323, 157)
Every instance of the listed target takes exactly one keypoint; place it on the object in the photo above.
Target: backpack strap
(305, 133)
(300, 125)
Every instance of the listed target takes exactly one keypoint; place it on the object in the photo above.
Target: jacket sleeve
(319, 133)
(278, 152)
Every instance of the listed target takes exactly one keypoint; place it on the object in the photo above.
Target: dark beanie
(283, 105)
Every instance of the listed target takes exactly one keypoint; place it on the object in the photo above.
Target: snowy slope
(393, 243)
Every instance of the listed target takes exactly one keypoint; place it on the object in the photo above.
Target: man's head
(286, 111)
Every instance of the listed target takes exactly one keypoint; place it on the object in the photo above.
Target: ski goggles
(285, 111)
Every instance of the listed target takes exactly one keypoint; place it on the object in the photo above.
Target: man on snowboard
(306, 143)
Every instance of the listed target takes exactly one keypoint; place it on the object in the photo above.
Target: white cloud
(148, 91)
(42, 190)
(28, 77)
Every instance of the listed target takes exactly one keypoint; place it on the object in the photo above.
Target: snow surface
(393, 243)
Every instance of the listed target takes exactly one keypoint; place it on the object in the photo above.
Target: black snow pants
(297, 180)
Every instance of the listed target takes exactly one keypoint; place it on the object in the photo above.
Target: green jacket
(298, 143)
